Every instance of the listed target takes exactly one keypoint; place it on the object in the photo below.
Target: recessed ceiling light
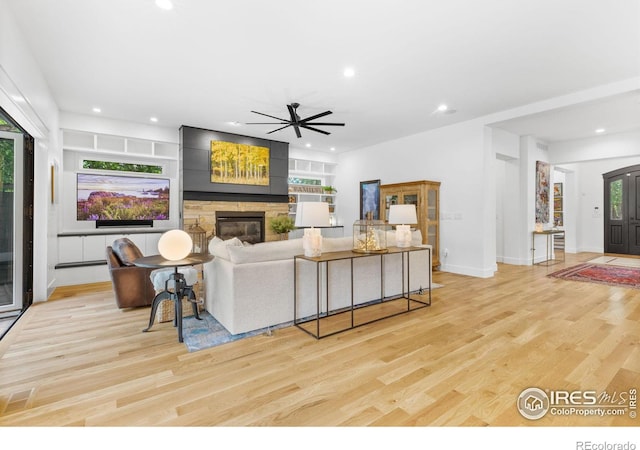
(234, 124)
(307, 145)
(153, 119)
(349, 72)
(443, 109)
(333, 149)
(600, 130)
(96, 110)
(164, 4)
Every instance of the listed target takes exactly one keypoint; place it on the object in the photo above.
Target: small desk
(180, 286)
(326, 258)
(549, 247)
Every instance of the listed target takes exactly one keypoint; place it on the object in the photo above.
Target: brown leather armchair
(132, 284)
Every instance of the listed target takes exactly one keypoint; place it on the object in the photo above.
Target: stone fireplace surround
(204, 211)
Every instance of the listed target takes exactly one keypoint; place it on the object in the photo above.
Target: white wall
(506, 147)
(101, 125)
(470, 209)
(587, 160)
(312, 155)
(620, 145)
(25, 96)
(589, 195)
(531, 151)
(453, 155)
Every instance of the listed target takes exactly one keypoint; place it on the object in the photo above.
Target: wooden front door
(633, 223)
(622, 211)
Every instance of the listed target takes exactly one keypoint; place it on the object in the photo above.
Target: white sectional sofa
(249, 287)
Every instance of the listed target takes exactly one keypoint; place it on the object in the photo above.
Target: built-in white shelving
(302, 173)
(118, 145)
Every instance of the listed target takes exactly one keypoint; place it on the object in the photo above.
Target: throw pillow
(213, 242)
(266, 251)
(219, 248)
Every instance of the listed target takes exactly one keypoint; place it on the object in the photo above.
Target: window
(123, 167)
(615, 199)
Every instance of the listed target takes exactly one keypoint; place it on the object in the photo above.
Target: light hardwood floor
(78, 360)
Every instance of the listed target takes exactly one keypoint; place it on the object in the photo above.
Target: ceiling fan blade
(317, 116)
(273, 117)
(296, 122)
(313, 129)
(281, 128)
(293, 114)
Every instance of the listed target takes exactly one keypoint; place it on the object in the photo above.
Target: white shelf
(315, 170)
(318, 170)
(118, 145)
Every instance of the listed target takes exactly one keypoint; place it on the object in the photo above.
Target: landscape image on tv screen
(117, 197)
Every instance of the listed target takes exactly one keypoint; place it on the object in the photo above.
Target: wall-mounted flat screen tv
(120, 197)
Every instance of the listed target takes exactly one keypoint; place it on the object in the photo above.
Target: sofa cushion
(266, 251)
(126, 251)
(337, 244)
(219, 248)
(346, 242)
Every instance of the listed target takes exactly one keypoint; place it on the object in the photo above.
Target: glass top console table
(325, 320)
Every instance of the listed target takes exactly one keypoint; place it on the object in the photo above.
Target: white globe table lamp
(175, 245)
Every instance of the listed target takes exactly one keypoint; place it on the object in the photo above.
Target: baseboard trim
(469, 271)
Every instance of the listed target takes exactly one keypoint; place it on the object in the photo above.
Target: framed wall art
(370, 200)
(557, 189)
(542, 192)
(239, 163)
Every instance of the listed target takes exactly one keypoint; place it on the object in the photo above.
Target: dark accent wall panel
(195, 146)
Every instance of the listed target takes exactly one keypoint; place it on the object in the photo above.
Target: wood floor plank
(78, 360)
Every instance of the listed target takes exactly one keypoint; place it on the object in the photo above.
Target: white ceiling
(208, 63)
(613, 114)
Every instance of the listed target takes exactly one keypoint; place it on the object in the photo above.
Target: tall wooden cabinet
(426, 196)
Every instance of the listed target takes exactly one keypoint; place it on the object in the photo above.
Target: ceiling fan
(296, 122)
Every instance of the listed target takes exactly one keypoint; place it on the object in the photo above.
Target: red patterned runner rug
(595, 273)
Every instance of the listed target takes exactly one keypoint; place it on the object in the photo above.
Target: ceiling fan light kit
(297, 122)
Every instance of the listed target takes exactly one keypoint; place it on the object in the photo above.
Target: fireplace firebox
(247, 226)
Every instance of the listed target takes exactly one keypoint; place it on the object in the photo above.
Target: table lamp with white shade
(308, 216)
(402, 216)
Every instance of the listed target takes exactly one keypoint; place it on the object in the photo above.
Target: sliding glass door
(12, 221)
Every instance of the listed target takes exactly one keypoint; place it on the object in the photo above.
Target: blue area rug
(208, 332)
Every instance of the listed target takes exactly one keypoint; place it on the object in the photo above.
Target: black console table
(344, 318)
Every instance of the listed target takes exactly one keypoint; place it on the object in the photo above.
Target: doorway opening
(16, 221)
(622, 211)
